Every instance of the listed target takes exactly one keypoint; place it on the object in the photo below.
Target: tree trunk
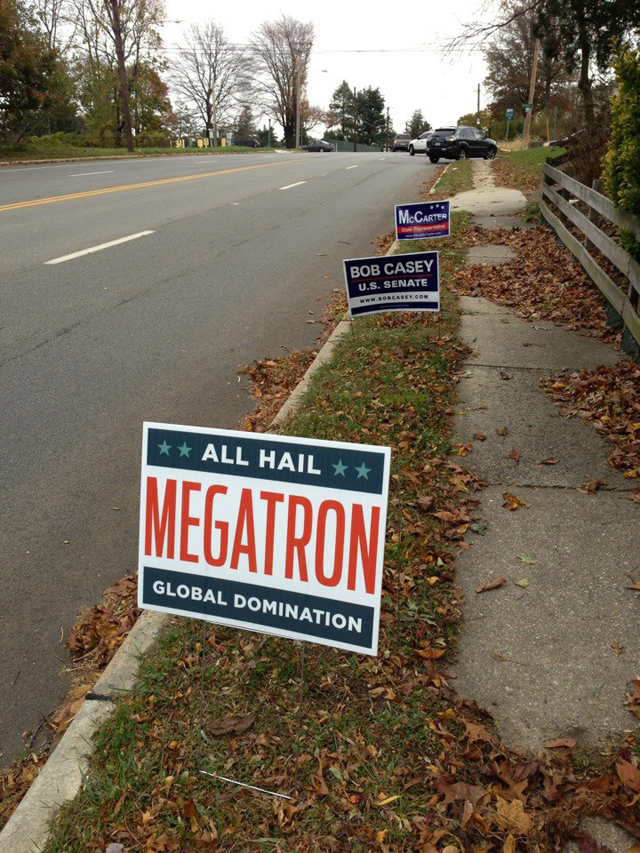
(584, 84)
(122, 71)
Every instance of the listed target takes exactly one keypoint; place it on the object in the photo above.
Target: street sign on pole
(393, 283)
(267, 533)
(509, 113)
(423, 220)
(527, 107)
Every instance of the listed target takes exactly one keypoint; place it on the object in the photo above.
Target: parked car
(401, 142)
(247, 143)
(319, 145)
(419, 145)
(459, 143)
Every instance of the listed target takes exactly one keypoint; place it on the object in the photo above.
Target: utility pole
(355, 119)
(478, 112)
(386, 135)
(526, 133)
(113, 10)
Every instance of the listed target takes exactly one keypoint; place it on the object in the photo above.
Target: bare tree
(116, 32)
(211, 74)
(282, 50)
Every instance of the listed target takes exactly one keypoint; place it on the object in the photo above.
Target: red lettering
(158, 528)
(187, 521)
(245, 521)
(272, 498)
(297, 543)
(221, 526)
(368, 551)
(338, 554)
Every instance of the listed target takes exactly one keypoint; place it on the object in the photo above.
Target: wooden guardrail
(562, 197)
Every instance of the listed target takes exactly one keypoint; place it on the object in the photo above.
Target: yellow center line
(18, 205)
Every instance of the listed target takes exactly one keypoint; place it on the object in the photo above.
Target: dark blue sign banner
(408, 282)
(423, 220)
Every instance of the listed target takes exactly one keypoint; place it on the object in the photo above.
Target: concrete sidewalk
(542, 652)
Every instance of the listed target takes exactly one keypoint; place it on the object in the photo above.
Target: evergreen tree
(341, 111)
(417, 124)
(371, 120)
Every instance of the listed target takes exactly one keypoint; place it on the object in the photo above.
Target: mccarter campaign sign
(408, 282)
(264, 532)
(422, 220)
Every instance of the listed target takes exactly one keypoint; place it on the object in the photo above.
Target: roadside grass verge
(522, 170)
(457, 178)
(69, 152)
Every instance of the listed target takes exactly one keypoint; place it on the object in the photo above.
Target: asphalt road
(233, 253)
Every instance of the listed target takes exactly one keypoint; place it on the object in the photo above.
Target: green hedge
(622, 160)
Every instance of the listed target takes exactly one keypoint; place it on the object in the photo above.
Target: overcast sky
(406, 63)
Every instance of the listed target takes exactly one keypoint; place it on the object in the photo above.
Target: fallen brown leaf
(502, 431)
(512, 502)
(592, 487)
(551, 460)
(504, 375)
(479, 436)
(617, 648)
(236, 723)
(513, 454)
(629, 775)
(493, 584)
(561, 743)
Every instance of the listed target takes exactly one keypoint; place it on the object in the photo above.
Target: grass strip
(522, 170)
(72, 152)
(456, 179)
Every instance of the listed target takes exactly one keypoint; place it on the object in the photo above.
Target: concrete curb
(433, 189)
(61, 778)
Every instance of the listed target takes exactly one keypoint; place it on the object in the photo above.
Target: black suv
(458, 143)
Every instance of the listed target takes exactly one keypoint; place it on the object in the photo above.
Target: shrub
(622, 160)
(56, 140)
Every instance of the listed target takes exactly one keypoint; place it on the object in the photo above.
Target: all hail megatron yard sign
(407, 282)
(264, 532)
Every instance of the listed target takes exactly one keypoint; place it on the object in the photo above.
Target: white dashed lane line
(289, 186)
(352, 167)
(98, 248)
(83, 174)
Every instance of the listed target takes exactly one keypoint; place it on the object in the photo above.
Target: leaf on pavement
(513, 454)
(236, 723)
(592, 487)
(561, 743)
(504, 375)
(502, 431)
(496, 583)
(512, 502)
(523, 582)
(617, 648)
(528, 560)
(479, 436)
(550, 460)
(629, 775)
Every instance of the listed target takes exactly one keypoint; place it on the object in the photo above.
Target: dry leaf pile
(543, 282)
(608, 397)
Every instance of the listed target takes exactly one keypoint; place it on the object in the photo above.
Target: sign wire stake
(244, 785)
(300, 694)
(202, 738)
